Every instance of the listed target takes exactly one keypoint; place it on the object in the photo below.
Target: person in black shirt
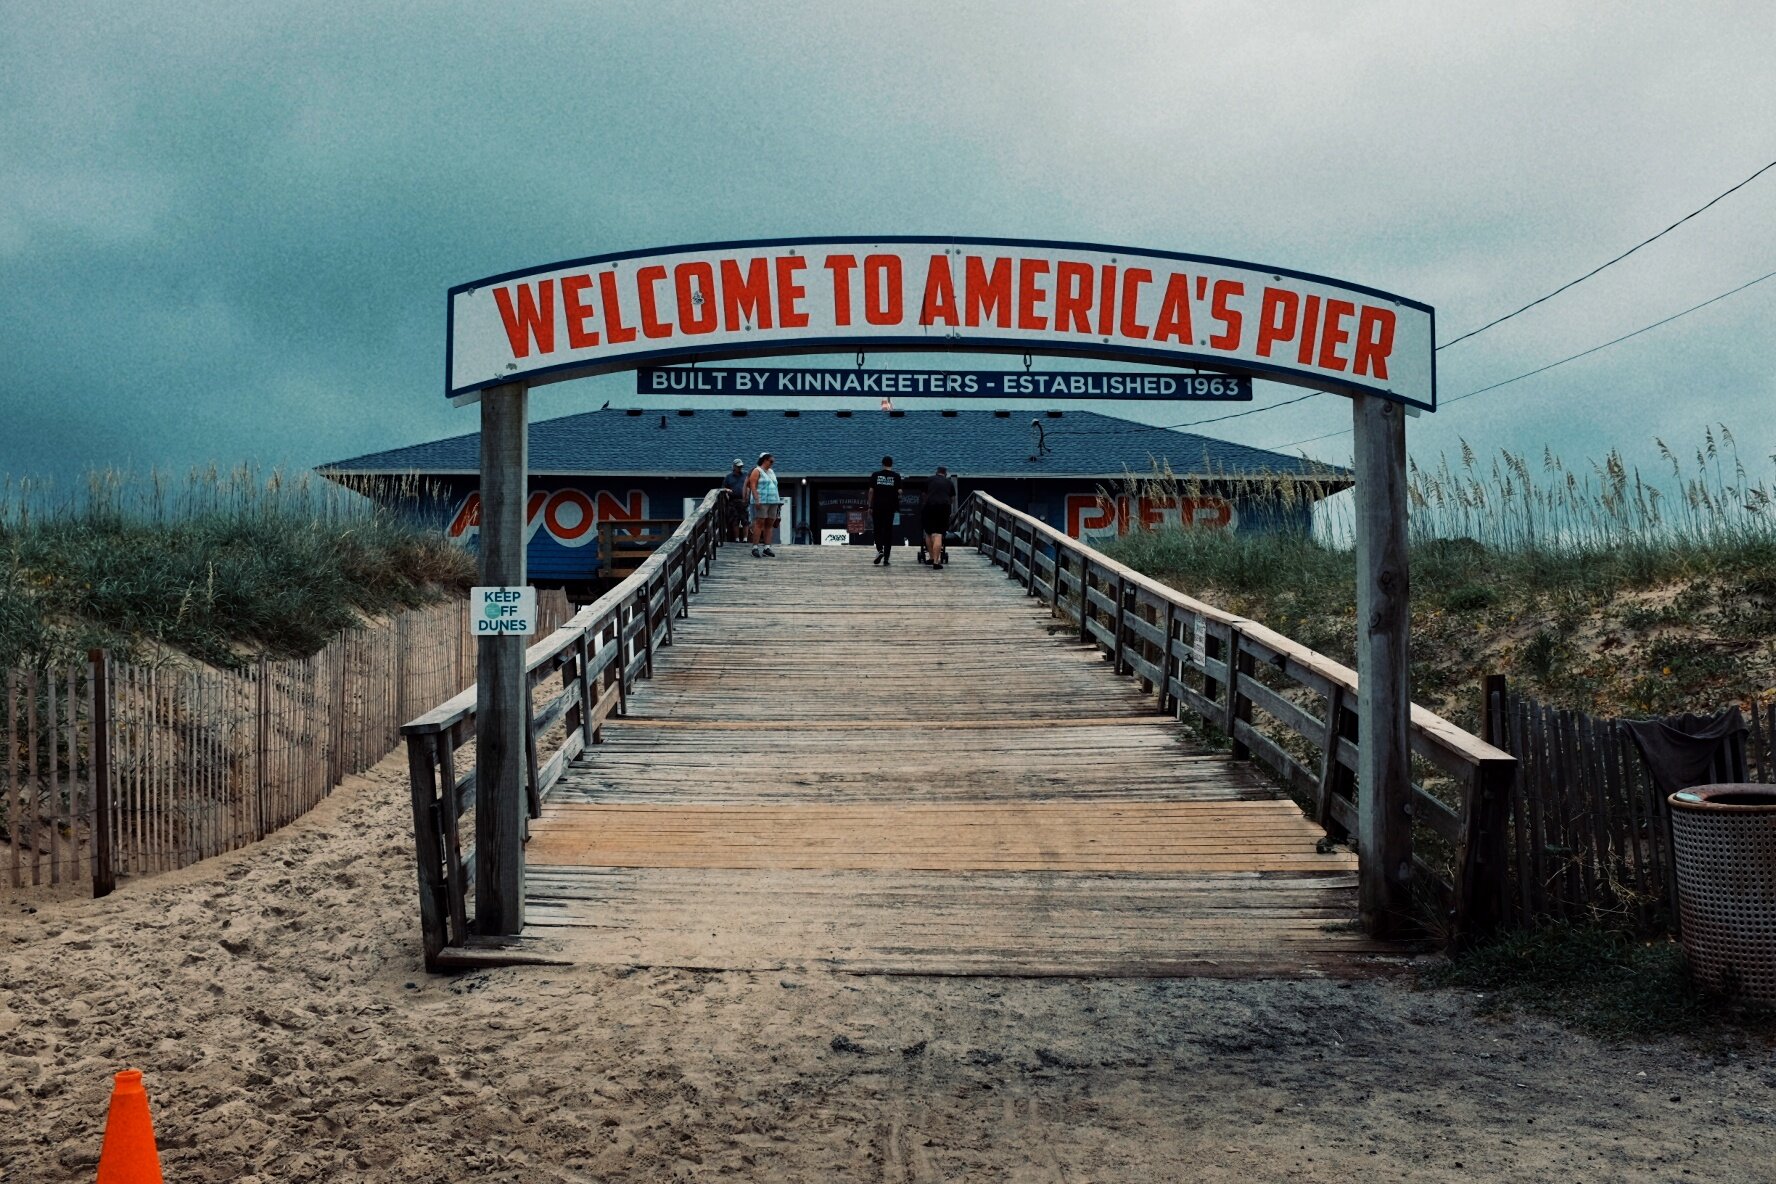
(934, 516)
(883, 500)
(735, 484)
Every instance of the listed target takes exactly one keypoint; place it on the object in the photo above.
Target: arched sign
(794, 296)
(718, 301)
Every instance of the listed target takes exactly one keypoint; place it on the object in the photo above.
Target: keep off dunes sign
(770, 298)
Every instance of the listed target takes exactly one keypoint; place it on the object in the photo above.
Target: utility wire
(1612, 262)
(1563, 361)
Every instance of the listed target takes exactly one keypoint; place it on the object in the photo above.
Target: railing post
(588, 694)
(1117, 627)
(1384, 780)
(1085, 604)
(103, 869)
(423, 780)
(1239, 707)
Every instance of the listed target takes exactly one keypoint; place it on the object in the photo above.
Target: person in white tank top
(766, 502)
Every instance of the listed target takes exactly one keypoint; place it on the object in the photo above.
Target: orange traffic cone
(129, 1155)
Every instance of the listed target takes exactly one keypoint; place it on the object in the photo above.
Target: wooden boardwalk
(905, 771)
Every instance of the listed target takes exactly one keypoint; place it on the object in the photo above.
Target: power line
(1612, 262)
(1563, 361)
(1624, 337)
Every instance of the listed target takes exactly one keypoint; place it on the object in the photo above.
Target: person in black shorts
(934, 515)
(883, 500)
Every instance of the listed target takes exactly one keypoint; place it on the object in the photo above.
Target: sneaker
(755, 552)
(770, 554)
(877, 560)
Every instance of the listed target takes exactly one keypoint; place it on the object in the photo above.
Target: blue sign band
(727, 382)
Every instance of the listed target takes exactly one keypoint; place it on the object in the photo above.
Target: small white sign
(503, 611)
(829, 538)
(1199, 645)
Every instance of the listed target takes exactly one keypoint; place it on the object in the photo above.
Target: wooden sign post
(1384, 757)
(499, 670)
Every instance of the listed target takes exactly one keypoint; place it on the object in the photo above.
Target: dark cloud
(227, 230)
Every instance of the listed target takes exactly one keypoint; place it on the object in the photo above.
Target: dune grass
(1598, 587)
(217, 565)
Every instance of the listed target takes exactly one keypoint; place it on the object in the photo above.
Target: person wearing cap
(766, 503)
(735, 485)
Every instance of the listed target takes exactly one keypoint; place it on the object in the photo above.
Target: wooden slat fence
(1588, 834)
(578, 676)
(1282, 704)
(118, 769)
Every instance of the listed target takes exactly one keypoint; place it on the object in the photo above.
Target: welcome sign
(747, 299)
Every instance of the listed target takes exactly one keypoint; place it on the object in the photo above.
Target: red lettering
(651, 325)
(612, 510)
(790, 293)
(1106, 299)
(572, 527)
(1233, 323)
(986, 294)
(882, 302)
(1089, 512)
(1174, 312)
(533, 319)
(746, 299)
(1030, 272)
(614, 328)
(1073, 297)
(1277, 318)
(533, 512)
(1333, 335)
(841, 267)
(1310, 331)
(577, 311)
(468, 518)
(1375, 341)
(696, 306)
(939, 301)
(1132, 281)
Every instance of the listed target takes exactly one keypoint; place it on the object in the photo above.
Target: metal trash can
(1723, 840)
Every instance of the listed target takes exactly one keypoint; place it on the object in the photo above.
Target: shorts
(767, 511)
(935, 519)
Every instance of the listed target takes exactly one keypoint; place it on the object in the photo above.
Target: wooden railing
(1292, 709)
(597, 656)
(625, 544)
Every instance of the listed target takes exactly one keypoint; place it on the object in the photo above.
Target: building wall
(564, 512)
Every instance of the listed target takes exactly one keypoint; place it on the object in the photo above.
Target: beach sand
(275, 1000)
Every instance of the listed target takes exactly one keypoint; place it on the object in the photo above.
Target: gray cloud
(227, 230)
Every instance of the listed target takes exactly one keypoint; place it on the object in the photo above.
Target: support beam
(1384, 773)
(500, 713)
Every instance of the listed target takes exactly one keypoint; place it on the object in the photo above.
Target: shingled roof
(977, 444)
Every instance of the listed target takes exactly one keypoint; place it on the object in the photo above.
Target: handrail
(598, 654)
(1197, 656)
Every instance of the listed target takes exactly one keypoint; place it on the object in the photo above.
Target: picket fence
(114, 769)
(1588, 836)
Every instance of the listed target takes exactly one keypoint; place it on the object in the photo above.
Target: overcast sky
(227, 230)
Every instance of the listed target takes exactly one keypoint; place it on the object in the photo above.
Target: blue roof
(977, 444)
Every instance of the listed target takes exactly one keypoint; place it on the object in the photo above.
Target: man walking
(934, 515)
(766, 502)
(735, 484)
(883, 500)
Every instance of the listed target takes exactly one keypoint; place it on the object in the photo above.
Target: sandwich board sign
(502, 610)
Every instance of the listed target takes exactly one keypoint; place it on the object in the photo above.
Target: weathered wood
(501, 687)
(104, 874)
(1384, 714)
